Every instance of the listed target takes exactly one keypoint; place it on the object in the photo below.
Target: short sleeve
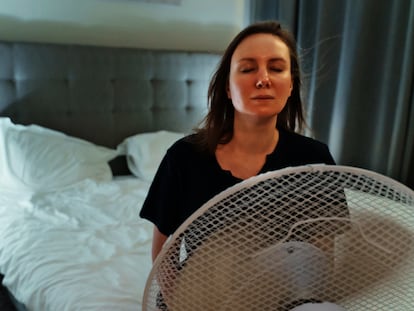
(161, 204)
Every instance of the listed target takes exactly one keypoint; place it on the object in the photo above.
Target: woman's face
(260, 80)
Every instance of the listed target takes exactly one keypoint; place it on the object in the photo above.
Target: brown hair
(218, 124)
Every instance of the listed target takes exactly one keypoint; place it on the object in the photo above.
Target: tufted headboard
(103, 94)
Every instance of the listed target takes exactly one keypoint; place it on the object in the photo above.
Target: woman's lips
(263, 97)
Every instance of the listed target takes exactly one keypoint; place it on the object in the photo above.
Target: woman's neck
(245, 155)
(255, 139)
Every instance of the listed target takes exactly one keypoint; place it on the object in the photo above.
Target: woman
(254, 109)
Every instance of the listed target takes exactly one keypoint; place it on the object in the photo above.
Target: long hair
(218, 124)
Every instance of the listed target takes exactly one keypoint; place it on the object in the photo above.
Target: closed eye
(277, 69)
(246, 70)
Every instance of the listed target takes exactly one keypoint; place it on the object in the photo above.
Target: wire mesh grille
(310, 233)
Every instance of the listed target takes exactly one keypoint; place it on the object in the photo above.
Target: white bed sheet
(82, 248)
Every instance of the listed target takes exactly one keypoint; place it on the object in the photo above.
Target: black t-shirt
(187, 178)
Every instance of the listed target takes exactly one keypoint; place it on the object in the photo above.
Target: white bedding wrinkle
(81, 248)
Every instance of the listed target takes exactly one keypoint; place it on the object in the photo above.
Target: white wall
(204, 25)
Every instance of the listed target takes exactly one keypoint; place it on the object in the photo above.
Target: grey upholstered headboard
(103, 94)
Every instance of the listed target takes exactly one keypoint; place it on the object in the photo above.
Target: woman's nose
(263, 80)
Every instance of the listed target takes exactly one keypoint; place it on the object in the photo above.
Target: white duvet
(82, 248)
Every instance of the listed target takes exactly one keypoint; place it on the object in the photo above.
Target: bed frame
(103, 94)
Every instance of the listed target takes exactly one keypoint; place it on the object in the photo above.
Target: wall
(204, 25)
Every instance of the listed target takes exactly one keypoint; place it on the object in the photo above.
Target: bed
(82, 130)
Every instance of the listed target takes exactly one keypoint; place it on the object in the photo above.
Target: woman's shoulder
(300, 140)
(304, 149)
(186, 147)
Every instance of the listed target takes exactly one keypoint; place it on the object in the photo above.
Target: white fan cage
(300, 234)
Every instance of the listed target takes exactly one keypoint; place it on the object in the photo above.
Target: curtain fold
(358, 66)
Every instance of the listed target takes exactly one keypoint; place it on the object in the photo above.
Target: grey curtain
(358, 65)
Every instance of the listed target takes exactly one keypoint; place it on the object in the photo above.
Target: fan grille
(324, 233)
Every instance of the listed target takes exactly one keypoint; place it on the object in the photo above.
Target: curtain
(357, 60)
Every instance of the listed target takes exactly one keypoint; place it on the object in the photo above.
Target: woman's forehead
(261, 45)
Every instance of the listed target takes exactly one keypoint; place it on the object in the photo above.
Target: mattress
(80, 248)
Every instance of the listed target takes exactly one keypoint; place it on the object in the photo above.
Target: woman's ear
(228, 91)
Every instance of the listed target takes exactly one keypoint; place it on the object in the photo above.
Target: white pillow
(145, 151)
(40, 159)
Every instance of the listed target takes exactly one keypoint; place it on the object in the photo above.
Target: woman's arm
(158, 241)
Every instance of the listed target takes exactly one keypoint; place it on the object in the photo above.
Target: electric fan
(297, 236)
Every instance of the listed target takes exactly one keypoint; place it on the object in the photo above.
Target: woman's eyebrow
(277, 59)
(252, 59)
(246, 59)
